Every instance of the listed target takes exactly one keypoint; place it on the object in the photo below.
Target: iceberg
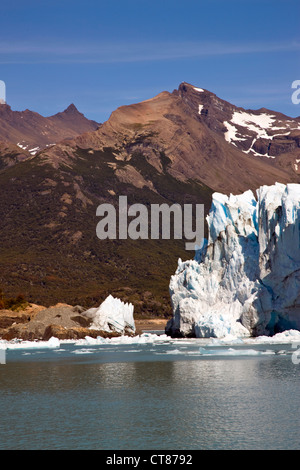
(245, 279)
(52, 343)
(112, 315)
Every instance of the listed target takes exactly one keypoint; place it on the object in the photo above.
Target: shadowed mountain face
(175, 148)
(10, 154)
(33, 132)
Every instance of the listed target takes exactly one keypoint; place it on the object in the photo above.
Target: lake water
(150, 393)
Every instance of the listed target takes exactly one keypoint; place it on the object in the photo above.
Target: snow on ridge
(261, 124)
(297, 161)
(34, 150)
(231, 133)
(254, 122)
(23, 147)
(200, 90)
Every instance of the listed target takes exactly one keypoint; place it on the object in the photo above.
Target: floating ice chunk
(83, 351)
(233, 352)
(145, 338)
(285, 337)
(89, 341)
(229, 339)
(52, 343)
(173, 351)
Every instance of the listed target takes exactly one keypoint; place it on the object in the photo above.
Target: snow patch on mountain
(297, 161)
(256, 123)
(256, 126)
(231, 133)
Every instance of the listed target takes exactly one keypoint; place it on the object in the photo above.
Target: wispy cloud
(131, 52)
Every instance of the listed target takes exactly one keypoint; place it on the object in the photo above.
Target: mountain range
(177, 147)
(32, 132)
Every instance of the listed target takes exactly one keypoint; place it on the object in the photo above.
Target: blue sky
(103, 54)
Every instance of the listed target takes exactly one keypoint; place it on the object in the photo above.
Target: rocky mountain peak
(261, 132)
(5, 109)
(71, 109)
(33, 132)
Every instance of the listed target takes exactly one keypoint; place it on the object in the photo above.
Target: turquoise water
(179, 394)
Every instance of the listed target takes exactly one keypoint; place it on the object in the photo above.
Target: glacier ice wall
(112, 315)
(245, 280)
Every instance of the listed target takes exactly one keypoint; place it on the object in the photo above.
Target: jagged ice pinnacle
(112, 315)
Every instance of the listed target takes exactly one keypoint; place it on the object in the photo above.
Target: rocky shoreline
(62, 321)
(41, 323)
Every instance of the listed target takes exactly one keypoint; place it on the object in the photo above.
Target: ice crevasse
(245, 279)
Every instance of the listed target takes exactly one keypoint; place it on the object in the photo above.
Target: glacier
(245, 279)
(112, 315)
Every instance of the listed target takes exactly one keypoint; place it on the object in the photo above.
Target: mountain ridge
(33, 132)
(161, 150)
(199, 145)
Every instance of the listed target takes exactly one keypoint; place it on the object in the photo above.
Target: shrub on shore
(17, 303)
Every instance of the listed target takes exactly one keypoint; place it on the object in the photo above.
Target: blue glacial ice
(245, 280)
